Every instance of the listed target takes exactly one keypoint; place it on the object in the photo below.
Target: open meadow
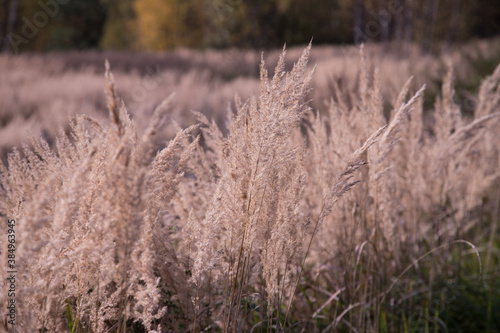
(309, 189)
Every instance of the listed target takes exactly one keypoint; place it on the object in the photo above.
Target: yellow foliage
(154, 19)
(162, 24)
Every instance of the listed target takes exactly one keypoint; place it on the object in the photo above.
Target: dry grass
(281, 217)
(41, 92)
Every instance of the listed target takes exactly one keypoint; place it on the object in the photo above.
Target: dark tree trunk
(3, 22)
(408, 26)
(358, 22)
(454, 21)
(408, 21)
(430, 13)
(11, 20)
(384, 21)
(399, 25)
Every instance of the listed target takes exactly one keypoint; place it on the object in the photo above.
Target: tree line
(41, 25)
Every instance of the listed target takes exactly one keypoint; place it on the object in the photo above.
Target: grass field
(347, 190)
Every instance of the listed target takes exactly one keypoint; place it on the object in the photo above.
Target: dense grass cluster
(361, 217)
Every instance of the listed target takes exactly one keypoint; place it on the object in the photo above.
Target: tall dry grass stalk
(294, 219)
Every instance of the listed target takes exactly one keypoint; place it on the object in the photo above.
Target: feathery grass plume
(364, 215)
(111, 102)
(460, 148)
(343, 184)
(383, 172)
(448, 119)
(87, 213)
(253, 225)
(488, 97)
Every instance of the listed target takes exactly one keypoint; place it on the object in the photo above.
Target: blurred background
(206, 51)
(154, 25)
